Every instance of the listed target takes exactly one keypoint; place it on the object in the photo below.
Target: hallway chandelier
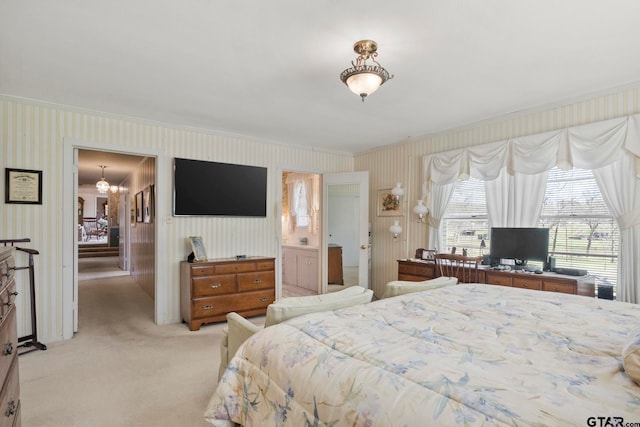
(102, 186)
(361, 78)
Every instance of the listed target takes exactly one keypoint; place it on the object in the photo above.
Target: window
(582, 232)
(465, 224)
(300, 204)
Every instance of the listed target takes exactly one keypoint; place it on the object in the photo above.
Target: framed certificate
(23, 186)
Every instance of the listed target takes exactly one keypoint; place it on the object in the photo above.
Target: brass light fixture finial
(363, 79)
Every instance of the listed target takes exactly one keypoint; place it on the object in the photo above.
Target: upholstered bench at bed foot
(401, 287)
(240, 329)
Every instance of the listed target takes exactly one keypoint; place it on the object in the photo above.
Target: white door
(123, 231)
(346, 196)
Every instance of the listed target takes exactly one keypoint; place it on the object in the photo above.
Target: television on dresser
(205, 188)
(520, 244)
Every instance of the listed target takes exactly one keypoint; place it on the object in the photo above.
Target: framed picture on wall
(388, 204)
(139, 206)
(147, 199)
(23, 186)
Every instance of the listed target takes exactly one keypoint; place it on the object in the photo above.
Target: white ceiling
(117, 166)
(269, 69)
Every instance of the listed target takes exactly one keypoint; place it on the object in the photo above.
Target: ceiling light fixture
(102, 186)
(363, 79)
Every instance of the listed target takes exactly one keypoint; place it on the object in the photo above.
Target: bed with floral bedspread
(459, 355)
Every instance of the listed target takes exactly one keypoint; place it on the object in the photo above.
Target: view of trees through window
(582, 232)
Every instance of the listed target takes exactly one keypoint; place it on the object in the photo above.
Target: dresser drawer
(424, 271)
(551, 286)
(238, 267)
(213, 285)
(498, 279)
(223, 304)
(9, 398)
(7, 270)
(265, 265)
(256, 280)
(7, 299)
(8, 342)
(527, 283)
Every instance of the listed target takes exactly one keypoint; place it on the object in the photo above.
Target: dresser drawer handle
(8, 303)
(215, 285)
(264, 299)
(11, 408)
(207, 307)
(8, 349)
(257, 281)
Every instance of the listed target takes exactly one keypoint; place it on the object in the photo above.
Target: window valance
(589, 146)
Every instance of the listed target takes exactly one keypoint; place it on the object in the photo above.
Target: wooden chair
(462, 267)
(91, 228)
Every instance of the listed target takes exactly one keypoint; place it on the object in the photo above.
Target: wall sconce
(397, 190)
(420, 210)
(395, 229)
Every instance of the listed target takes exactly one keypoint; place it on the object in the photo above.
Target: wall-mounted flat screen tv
(203, 188)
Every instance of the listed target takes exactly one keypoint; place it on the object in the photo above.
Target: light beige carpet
(120, 369)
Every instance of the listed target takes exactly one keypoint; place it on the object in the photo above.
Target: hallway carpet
(120, 369)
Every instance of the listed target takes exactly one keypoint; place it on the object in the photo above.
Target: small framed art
(139, 206)
(147, 199)
(388, 204)
(199, 253)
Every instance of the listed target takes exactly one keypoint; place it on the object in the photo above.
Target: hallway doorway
(127, 172)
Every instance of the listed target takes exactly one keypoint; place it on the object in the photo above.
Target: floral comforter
(466, 354)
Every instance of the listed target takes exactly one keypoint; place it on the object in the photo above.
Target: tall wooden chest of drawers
(211, 289)
(10, 393)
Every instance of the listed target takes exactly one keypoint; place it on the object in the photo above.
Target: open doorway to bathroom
(301, 241)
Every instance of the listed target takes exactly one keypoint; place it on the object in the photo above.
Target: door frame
(69, 232)
(362, 179)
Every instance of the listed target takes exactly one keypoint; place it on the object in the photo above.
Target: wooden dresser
(417, 271)
(211, 289)
(10, 394)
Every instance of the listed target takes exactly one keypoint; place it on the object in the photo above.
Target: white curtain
(515, 200)
(600, 145)
(307, 186)
(621, 193)
(437, 204)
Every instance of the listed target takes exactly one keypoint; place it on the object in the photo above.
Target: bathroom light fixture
(102, 186)
(421, 210)
(395, 229)
(363, 79)
(397, 190)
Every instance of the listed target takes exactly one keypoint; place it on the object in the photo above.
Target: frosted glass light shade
(395, 229)
(364, 84)
(397, 190)
(420, 209)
